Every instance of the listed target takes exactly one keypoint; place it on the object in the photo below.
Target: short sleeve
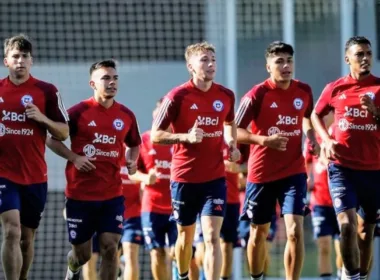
(310, 104)
(133, 138)
(323, 106)
(167, 113)
(55, 109)
(231, 113)
(74, 114)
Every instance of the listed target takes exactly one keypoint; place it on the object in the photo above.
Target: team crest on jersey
(89, 150)
(218, 105)
(26, 99)
(371, 95)
(298, 103)
(118, 124)
(2, 130)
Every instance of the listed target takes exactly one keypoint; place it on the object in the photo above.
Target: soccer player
(325, 225)
(29, 108)
(278, 109)
(354, 153)
(200, 113)
(154, 172)
(99, 128)
(132, 237)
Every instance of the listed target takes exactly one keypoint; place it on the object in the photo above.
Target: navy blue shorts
(191, 199)
(84, 218)
(229, 231)
(360, 189)
(245, 226)
(132, 231)
(324, 222)
(159, 231)
(30, 200)
(261, 198)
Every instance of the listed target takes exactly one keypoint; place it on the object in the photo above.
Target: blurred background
(148, 38)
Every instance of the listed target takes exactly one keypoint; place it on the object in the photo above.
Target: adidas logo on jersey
(274, 105)
(342, 96)
(194, 107)
(92, 123)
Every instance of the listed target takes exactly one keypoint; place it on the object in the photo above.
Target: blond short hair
(20, 41)
(198, 47)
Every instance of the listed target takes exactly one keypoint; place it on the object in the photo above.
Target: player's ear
(346, 59)
(92, 84)
(267, 67)
(5, 62)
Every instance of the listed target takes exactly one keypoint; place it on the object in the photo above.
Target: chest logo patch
(118, 124)
(218, 105)
(298, 103)
(26, 99)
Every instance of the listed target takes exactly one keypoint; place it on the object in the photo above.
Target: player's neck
(202, 85)
(106, 103)
(18, 81)
(360, 77)
(281, 85)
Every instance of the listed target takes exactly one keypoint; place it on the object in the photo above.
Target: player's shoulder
(179, 92)
(224, 90)
(3, 82)
(376, 80)
(126, 111)
(45, 87)
(79, 108)
(303, 86)
(258, 90)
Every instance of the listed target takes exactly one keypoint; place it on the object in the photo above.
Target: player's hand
(367, 104)
(276, 142)
(84, 164)
(314, 148)
(329, 149)
(32, 112)
(231, 167)
(151, 177)
(131, 166)
(196, 134)
(233, 153)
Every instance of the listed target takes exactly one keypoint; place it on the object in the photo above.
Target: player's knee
(158, 255)
(211, 239)
(109, 251)
(294, 232)
(12, 232)
(83, 256)
(258, 234)
(185, 239)
(324, 250)
(348, 231)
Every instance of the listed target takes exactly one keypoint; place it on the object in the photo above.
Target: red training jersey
(272, 110)
(98, 132)
(22, 140)
(355, 129)
(181, 107)
(132, 195)
(320, 195)
(156, 198)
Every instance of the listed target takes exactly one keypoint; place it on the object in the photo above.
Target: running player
(99, 128)
(279, 110)
(354, 152)
(200, 113)
(29, 108)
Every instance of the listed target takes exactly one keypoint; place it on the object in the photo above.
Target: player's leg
(259, 206)
(110, 229)
(338, 258)
(80, 219)
(366, 230)
(345, 201)
(155, 227)
(90, 268)
(229, 238)
(131, 241)
(185, 207)
(212, 215)
(325, 227)
(292, 201)
(33, 200)
(270, 238)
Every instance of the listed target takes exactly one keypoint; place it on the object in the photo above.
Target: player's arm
(308, 164)
(323, 108)
(160, 133)
(230, 134)
(82, 163)
(244, 116)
